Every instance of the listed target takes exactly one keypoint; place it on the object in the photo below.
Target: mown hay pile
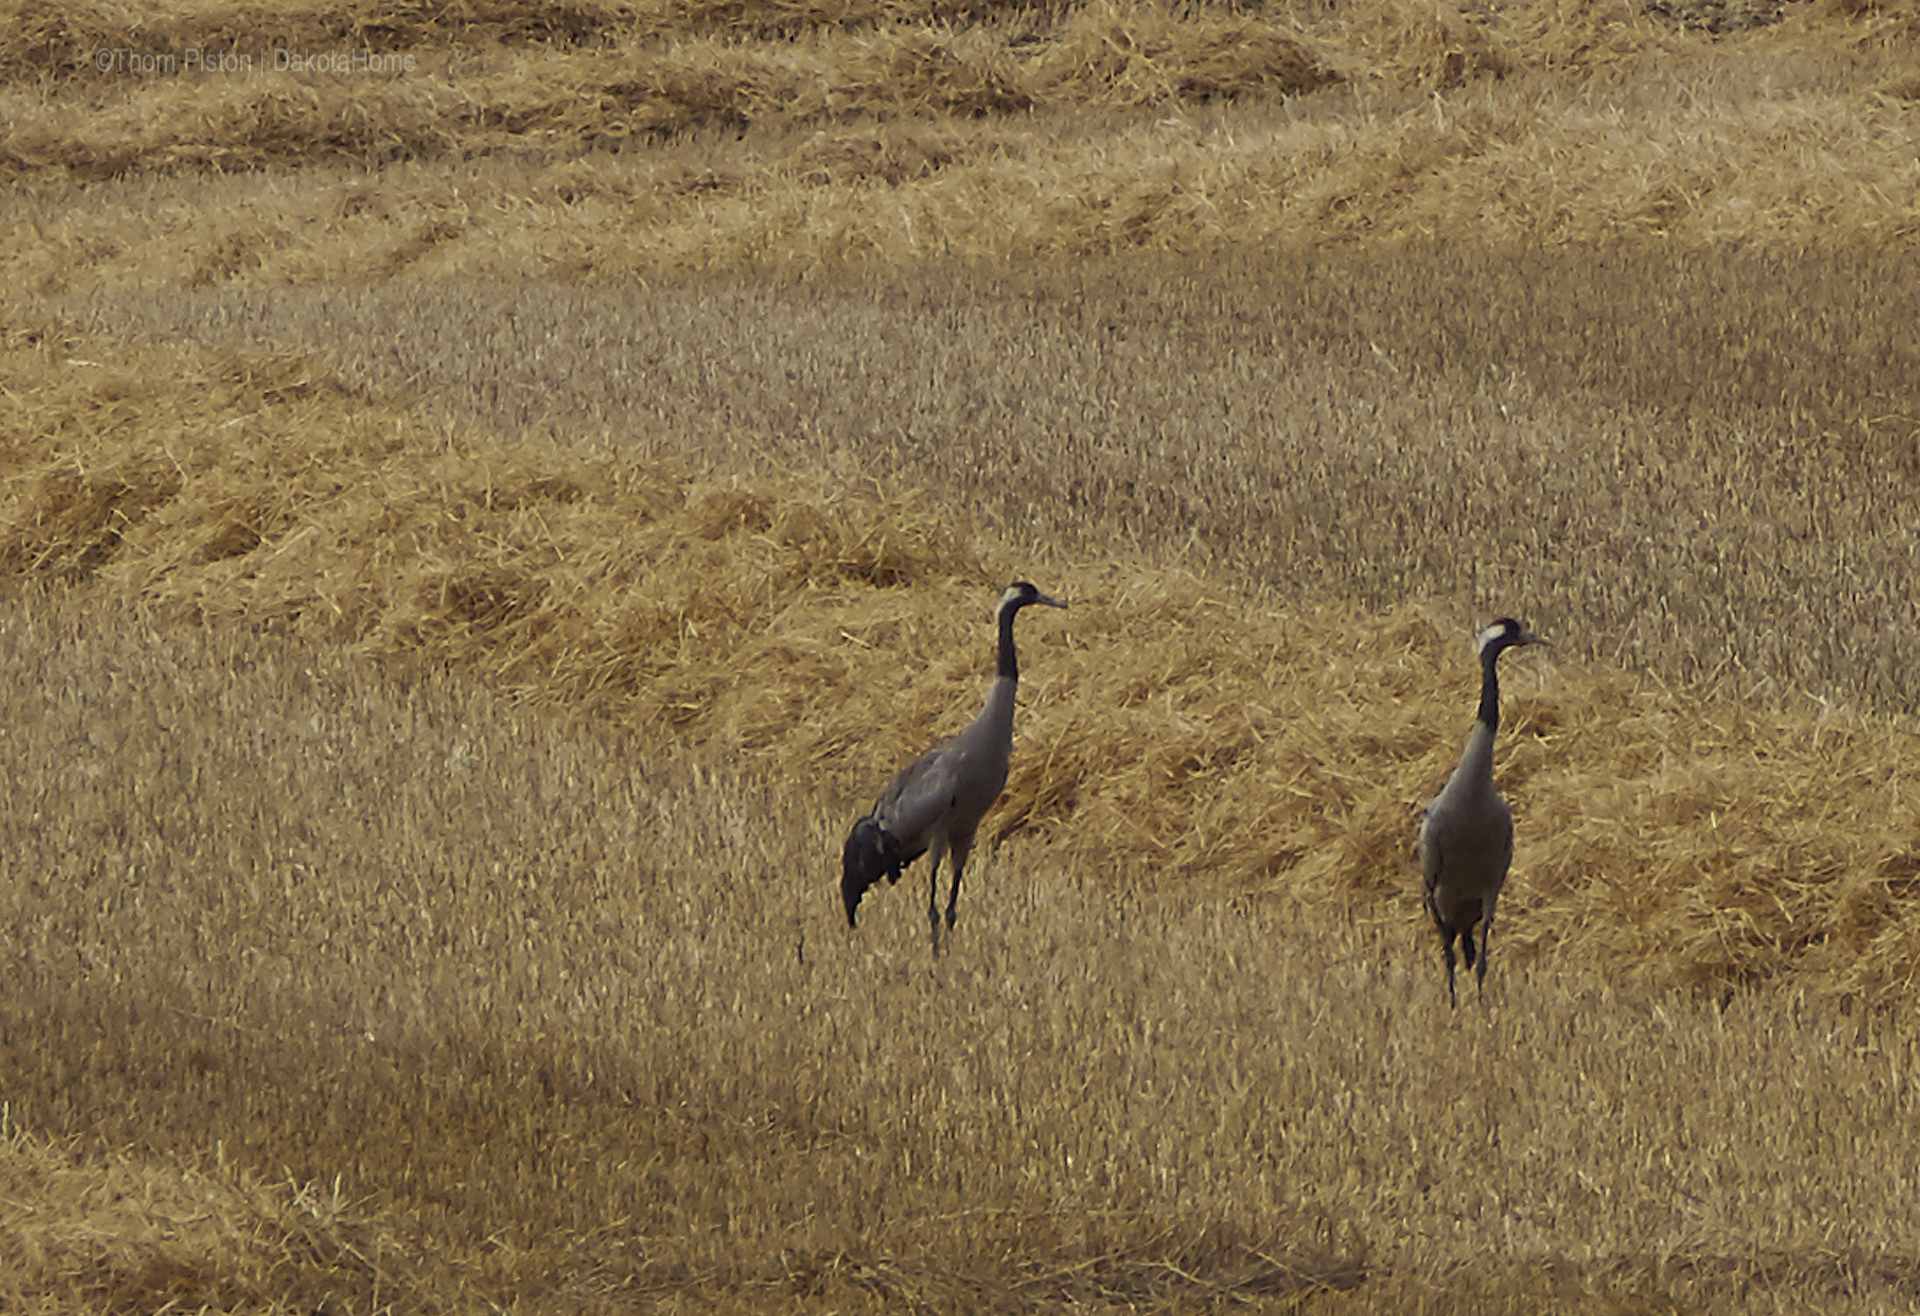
(1175, 730)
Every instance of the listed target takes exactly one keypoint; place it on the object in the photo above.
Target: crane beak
(1050, 601)
(1528, 637)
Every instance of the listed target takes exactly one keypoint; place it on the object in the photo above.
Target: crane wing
(1428, 847)
(919, 798)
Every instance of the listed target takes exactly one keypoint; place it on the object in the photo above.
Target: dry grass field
(333, 991)
(488, 493)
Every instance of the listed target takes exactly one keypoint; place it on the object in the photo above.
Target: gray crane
(1466, 839)
(936, 802)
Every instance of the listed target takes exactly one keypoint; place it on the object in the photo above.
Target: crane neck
(1476, 763)
(1009, 659)
(1489, 716)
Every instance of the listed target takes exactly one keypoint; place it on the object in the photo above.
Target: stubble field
(476, 534)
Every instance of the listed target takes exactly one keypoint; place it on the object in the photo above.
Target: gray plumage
(1466, 838)
(936, 802)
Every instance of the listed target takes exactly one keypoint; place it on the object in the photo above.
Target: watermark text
(235, 61)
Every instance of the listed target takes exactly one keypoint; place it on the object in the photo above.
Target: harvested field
(337, 991)
(487, 494)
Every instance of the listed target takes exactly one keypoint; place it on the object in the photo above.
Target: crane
(1466, 838)
(936, 802)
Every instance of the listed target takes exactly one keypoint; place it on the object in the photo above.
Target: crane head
(1023, 592)
(1502, 634)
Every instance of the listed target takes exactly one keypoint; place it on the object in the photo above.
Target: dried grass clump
(1873, 22)
(1426, 46)
(1116, 53)
(45, 38)
(1719, 16)
(890, 153)
(1604, 44)
(785, 19)
(1720, 843)
(921, 74)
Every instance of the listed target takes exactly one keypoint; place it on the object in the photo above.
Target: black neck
(1009, 660)
(1490, 686)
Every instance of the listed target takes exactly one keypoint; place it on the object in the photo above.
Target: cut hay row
(904, 148)
(1424, 45)
(461, 103)
(46, 38)
(1177, 730)
(49, 39)
(139, 99)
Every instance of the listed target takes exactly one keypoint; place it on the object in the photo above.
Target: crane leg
(953, 895)
(1446, 953)
(933, 900)
(1480, 969)
(958, 853)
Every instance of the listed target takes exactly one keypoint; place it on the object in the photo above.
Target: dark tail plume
(870, 855)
